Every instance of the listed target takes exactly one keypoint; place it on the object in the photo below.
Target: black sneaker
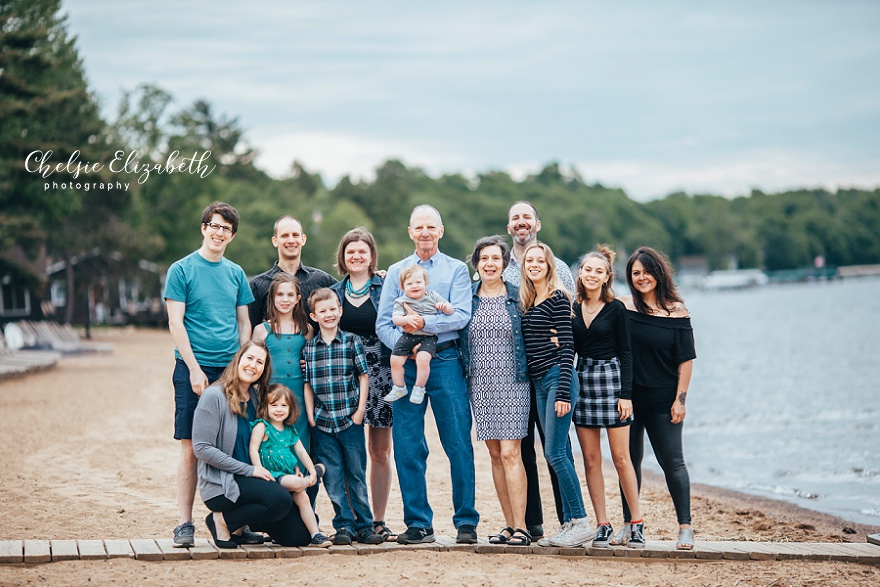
(467, 534)
(185, 535)
(248, 537)
(370, 537)
(416, 536)
(637, 536)
(343, 536)
(604, 533)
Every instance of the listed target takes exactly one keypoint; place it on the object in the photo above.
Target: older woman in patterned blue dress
(495, 364)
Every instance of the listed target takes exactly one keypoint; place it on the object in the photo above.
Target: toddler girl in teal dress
(276, 446)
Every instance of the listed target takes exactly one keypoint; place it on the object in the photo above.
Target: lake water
(785, 397)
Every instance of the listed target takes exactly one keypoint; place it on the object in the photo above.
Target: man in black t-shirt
(289, 239)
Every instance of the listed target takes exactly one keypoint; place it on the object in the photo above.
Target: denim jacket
(519, 346)
(375, 291)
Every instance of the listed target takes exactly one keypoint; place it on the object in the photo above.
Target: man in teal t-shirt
(207, 297)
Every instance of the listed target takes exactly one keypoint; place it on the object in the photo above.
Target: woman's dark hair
(660, 269)
(491, 241)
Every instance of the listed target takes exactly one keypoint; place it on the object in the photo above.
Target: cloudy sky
(701, 96)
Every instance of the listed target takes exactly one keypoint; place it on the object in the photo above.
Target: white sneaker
(559, 538)
(580, 532)
(395, 394)
(418, 394)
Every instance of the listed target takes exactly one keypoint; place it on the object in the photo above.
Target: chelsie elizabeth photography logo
(40, 162)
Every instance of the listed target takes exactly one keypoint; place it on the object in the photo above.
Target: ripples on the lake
(785, 400)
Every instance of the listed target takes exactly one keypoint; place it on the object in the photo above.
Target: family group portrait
(463, 295)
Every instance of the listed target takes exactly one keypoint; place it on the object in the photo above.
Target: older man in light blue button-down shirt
(446, 389)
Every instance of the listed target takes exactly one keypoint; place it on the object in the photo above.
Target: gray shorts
(404, 345)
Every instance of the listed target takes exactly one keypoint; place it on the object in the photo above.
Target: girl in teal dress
(276, 446)
(285, 335)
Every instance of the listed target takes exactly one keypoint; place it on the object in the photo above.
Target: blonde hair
(527, 291)
(412, 270)
(606, 254)
(322, 294)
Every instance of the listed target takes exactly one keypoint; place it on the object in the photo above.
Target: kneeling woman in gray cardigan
(237, 493)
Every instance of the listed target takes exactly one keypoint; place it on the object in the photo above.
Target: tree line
(45, 105)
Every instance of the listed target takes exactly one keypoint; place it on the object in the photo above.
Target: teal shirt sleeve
(175, 283)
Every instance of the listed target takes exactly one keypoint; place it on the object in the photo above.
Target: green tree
(45, 106)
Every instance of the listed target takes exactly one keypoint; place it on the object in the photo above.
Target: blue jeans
(556, 446)
(345, 456)
(447, 393)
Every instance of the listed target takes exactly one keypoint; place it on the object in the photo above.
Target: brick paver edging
(44, 551)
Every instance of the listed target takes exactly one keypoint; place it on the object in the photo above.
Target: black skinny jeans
(534, 508)
(665, 440)
(266, 507)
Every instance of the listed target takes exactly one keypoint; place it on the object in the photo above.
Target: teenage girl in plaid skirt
(604, 368)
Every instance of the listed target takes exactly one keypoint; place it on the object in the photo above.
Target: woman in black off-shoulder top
(663, 354)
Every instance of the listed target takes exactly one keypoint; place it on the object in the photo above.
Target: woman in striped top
(546, 326)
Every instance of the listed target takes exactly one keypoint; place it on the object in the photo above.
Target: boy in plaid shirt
(336, 386)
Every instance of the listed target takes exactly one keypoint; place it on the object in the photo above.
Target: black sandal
(500, 538)
(383, 531)
(520, 538)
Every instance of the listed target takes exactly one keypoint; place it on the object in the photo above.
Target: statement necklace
(357, 293)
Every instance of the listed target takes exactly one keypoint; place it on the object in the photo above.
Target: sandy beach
(89, 454)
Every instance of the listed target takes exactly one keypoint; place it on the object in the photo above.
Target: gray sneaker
(185, 535)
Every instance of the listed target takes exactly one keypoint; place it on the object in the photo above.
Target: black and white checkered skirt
(596, 405)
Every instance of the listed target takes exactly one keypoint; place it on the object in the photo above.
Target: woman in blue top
(238, 493)
(359, 293)
(495, 364)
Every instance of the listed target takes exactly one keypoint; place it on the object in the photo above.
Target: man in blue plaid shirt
(336, 386)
